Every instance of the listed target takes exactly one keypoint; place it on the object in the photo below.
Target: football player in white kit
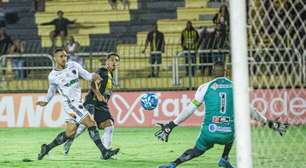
(65, 79)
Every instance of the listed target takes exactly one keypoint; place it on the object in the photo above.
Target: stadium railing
(288, 64)
(210, 55)
(135, 68)
(28, 62)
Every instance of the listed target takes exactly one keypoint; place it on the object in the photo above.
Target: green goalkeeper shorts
(207, 139)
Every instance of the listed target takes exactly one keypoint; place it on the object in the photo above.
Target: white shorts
(75, 111)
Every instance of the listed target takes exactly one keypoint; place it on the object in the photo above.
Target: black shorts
(57, 33)
(155, 58)
(100, 112)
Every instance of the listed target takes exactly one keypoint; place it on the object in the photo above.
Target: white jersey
(67, 82)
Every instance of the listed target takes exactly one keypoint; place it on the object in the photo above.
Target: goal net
(276, 46)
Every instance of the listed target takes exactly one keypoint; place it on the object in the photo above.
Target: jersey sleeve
(82, 72)
(104, 82)
(51, 90)
(196, 102)
(199, 95)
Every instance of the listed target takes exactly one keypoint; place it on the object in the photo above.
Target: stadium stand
(197, 11)
(101, 29)
(25, 28)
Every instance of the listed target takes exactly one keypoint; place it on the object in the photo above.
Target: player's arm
(50, 95)
(48, 23)
(166, 129)
(86, 75)
(163, 42)
(278, 126)
(96, 91)
(70, 21)
(258, 116)
(191, 108)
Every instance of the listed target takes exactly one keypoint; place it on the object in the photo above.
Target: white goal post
(239, 53)
(268, 49)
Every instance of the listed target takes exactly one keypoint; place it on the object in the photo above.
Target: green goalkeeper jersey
(217, 97)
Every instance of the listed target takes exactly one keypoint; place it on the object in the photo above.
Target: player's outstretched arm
(50, 95)
(96, 77)
(87, 75)
(276, 125)
(165, 129)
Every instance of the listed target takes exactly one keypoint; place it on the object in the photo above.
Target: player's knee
(70, 130)
(70, 133)
(108, 130)
(106, 123)
(90, 124)
(88, 121)
(93, 133)
(194, 152)
(197, 152)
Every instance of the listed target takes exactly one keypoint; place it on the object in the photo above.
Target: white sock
(107, 137)
(80, 130)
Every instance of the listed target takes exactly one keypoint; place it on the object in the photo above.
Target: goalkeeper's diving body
(218, 124)
(65, 79)
(96, 103)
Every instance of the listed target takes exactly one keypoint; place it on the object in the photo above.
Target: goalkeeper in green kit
(218, 125)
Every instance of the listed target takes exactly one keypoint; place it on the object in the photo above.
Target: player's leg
(152, 60)
(81, 128)
(210, 60)
(187, 57)
(108, 127)
(202, 61)
(193, 61)
(94, 135)
(158, 61)
(105, 121)
(93, 132)
(60, 139)
(202, 145)
(53, 35)
(187, 155)
(224, 161)
(63, 35)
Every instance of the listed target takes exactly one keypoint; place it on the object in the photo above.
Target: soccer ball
(149, 101)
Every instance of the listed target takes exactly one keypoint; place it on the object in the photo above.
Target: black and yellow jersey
(105, 86)
(189, 39)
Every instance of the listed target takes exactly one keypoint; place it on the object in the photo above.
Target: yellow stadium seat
(79, 29)
(87, 17)
(196, 3)
(173, 25)
(84, 6)
(193, 13)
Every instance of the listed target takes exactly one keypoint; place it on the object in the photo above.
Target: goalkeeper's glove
(164, 131)
(278, 126)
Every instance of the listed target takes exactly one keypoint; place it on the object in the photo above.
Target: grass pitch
(139, 149)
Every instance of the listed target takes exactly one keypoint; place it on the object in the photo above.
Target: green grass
(139, 149)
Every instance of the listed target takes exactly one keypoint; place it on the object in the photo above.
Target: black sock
(226, 151)
(60, 139)
(188, 155)
(94, 135)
